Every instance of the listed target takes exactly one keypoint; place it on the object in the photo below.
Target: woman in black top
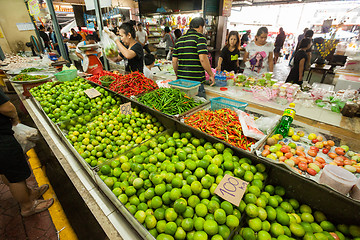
(297, 71)
(229, 58)
(133, 54)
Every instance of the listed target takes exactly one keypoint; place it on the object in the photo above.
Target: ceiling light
(248, 2)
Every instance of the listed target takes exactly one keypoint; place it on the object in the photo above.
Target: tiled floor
(14, 227)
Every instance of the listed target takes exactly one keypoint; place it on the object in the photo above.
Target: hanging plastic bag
(25, 136)
(109, 46)
(248, 125)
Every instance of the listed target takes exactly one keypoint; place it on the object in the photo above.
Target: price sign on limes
(125, 108)
(92, 93)
(231, 189)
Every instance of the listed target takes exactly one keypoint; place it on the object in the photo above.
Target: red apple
(314, 140)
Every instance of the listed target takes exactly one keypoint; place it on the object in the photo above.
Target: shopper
(134, 53)
(177, 34)
(149, 63)
(14, 169)
(190, 56)
(245, 38)
(297, 71)
(75, 36)
(169, 40)
(229, 58)
(258, 56)
(44, 36)
(279, 43)
(300, 37)
(142, 38)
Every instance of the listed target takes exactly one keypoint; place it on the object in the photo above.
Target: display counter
(111, 219)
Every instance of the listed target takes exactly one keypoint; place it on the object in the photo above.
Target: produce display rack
(319, 197)
(259, 147)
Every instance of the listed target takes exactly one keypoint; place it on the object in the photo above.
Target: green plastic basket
(66, 75)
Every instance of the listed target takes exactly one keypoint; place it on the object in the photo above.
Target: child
(149, 63)
(229, 58)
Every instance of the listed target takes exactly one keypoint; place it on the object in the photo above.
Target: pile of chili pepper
(223, 124)
(168, 100)
(132, 84)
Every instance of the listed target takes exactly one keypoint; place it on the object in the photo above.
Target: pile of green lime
(269, 216)
(168, 184)
(67, 100)
(110, 133)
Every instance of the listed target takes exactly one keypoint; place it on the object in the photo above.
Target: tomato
(265, 153)
(320, 159)
(309, 159)
(288, 155)
(311, 171)
(303, 166)
(332, 155)
(295, 159)
(300, 153)
(318, 164)
(325, 151)
(312, 153)
(340, 151)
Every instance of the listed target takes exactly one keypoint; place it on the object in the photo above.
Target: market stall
(128, 155)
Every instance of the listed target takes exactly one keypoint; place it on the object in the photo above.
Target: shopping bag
(110, 48)
(26, 136)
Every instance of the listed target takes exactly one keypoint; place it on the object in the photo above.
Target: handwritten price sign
(92, 93)
(125, 108)
(231, 189)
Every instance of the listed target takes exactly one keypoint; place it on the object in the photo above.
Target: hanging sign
(227, 5)
(231, 189)
(34, 8)
(91, 6)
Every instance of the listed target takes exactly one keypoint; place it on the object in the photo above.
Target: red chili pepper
(223, 124)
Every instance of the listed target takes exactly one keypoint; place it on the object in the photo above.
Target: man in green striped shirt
(190, 56)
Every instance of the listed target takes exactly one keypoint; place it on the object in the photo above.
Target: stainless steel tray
(49, 76)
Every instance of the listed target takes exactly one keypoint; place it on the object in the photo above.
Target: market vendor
(258, 56)
(190, 56)
(229, 58)
(130, 50)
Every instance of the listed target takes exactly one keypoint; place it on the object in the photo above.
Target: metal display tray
(49, 76)
(143, 232)
(203, 105)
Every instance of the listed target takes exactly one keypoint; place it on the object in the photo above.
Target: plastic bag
(26, 136)
(109, 46)
(248, 125)
(266, 124)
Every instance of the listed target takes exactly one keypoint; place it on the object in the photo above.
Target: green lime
(248, 234)
(180, 233)
(227, 207)
(297, 229)
(150, 221)
(232, 221)
(276, 229)
(201, 210)
(251, 210)
(211, 227)
(170, 228)
(200, 235)
(255, 224)
(159, 213)
(160, 226)
(170, 215)
(180, 205)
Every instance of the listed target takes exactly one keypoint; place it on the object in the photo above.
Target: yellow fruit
(295, 138)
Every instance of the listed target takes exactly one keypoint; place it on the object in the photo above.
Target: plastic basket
(66, 75)
(191, 88)
(221, 102)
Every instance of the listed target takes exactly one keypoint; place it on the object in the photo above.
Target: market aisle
(38, 226)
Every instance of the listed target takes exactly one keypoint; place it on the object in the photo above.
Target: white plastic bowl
(338, 178)
(355, 191)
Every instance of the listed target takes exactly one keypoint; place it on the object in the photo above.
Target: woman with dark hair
(177, 34)
(130, 50)
(169, 40)
(229, 58)
(258, 56)
(297, 71)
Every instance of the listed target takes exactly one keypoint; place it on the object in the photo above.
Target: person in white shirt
(149, 63)
(142, 37)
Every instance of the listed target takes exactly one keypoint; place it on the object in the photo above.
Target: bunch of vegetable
(223, 124)
(132, 84)
(168, 100)
(26, 77)
(32, 69)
